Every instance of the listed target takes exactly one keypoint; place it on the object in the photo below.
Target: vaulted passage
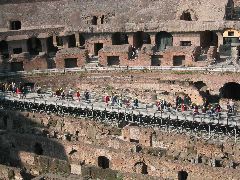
(38, 149)
(209, 38)
(178, 60)
(51, 47)
(113, 60)
(72, 41)
(140, 38)
(186, 16)
(103, 162)
(140, 168)
(70, 63)
(163, 39)
(34, 46)
(16, 66)
(182, 175)
(97, 47)
(4, 49)
(119, 38)
(15, 25)
(230, 90)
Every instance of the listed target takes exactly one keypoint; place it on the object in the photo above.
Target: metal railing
(121, 68)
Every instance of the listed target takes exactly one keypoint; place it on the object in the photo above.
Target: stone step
(92, 64)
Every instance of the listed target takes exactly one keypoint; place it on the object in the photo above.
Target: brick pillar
(77, 39)
(65, 41)
(55, 40)
(220, 39)
(44, 45)
(130, 39)
(10, 49)
(24, 45)
(153, 39)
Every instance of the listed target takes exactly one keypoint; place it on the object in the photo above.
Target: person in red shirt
(107, 99)
(78, 95)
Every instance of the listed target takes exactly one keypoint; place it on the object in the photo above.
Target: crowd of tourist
(182, 104)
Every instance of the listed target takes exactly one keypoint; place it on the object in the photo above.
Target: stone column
(65, 41)
(77, 37)
(44, 45)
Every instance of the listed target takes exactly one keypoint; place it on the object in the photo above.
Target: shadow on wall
(24, 140)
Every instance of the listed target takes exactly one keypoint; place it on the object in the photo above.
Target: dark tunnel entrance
(230, 90)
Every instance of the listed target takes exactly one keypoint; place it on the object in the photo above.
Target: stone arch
(103, 162)
(230, 90)
(182, 175)
(140, 168)
(188, 15)
(163, 39)
(38, 149)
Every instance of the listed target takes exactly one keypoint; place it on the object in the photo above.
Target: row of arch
(162, 40)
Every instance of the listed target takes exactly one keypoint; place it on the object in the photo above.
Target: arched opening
(163, 39)
(103, 162)
(82, 40)
(140, 38)
(186, 16)
(140, 168)
(38, 149)
(34, 46)
(15, 25)
(51, 47)
(72, 41)
(59, 41)
(4, 49)
(230, 90)
(97, 48)
(119, 38)
(102, 19)
(94, 20)
(182, 175)
(209, 38)
(16, 66)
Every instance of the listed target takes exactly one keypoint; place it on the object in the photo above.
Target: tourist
(107, 99)
(63, 94)
(86, 95)
(78, 96)
(218, 109)
(195, 110)
(158, 104)
(135, 103)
